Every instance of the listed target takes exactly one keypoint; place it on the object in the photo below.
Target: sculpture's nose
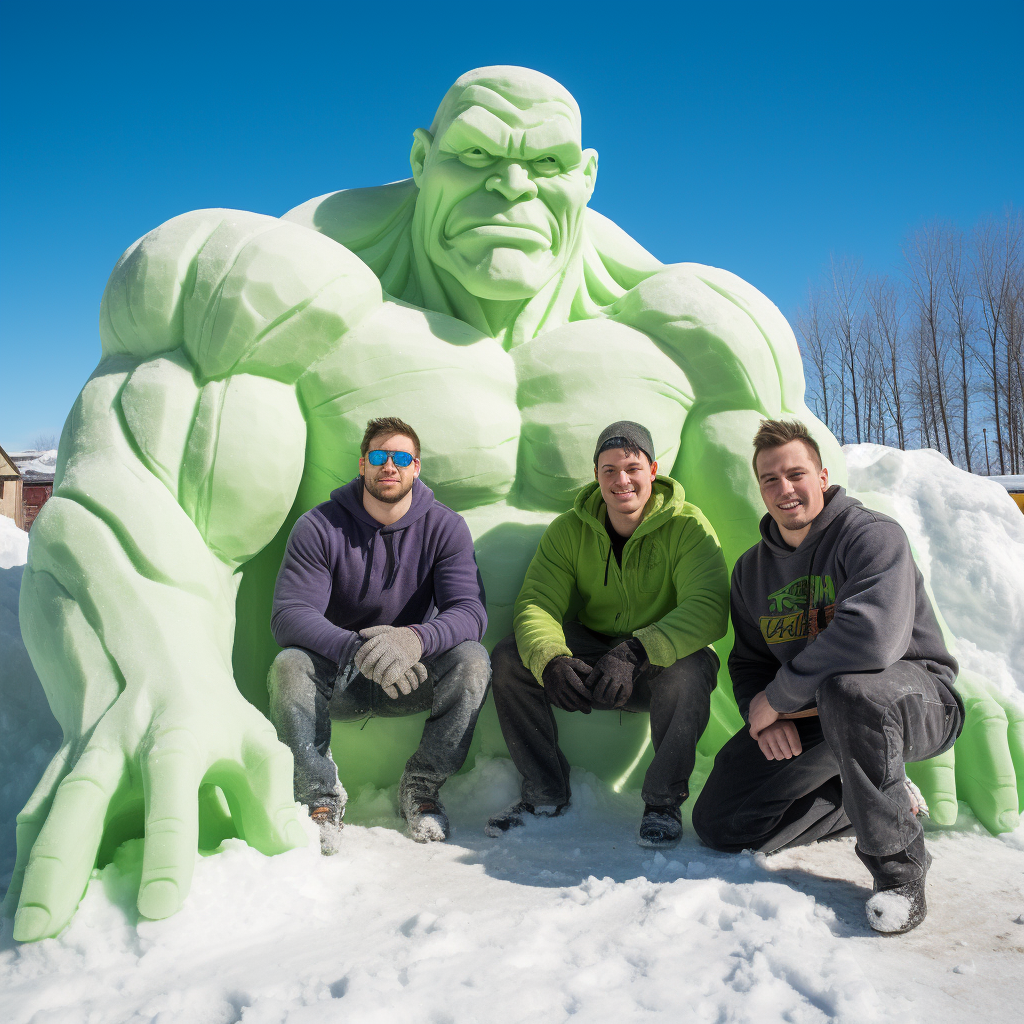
(513, 181)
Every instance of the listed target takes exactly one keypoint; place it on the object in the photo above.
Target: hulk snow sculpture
(242, 357)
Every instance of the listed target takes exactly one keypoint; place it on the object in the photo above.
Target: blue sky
(755, 137)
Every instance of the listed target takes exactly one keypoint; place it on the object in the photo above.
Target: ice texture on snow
(563, 918)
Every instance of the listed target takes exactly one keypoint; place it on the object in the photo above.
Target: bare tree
(845, 320)
(960, 303)
(996, 253)
(889, 311)
(816, 342)
(923, 252)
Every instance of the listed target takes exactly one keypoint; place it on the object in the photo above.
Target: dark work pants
(308, 690)
(678, 698)
(848, 779)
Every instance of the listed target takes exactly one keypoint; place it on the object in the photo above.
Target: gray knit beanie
(625, 434)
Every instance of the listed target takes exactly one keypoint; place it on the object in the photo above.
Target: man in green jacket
(645, 576)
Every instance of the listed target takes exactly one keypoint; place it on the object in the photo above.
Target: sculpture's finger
(1015, 741)
(30, 820)
(936, 778)
(65, 852)
(265, 798)
(171, 772)
(985, 775)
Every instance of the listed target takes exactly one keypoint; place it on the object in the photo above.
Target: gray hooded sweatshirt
(849, 599)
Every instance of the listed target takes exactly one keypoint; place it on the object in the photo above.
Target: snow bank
(13, 544)
(565, 918)
(969, 534)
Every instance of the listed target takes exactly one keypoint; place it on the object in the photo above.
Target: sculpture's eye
(547, 165)
(476, 157)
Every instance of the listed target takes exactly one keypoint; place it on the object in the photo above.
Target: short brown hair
(388, 426)
(776, 433)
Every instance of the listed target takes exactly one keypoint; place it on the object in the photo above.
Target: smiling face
(503, 183)
(793, 486)
(390, 483)
(626, 480)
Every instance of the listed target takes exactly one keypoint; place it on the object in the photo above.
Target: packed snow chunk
(13, 544)
(968, 535)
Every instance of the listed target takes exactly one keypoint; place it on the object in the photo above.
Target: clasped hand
(777, 738)
(390, 658)
(572, 685)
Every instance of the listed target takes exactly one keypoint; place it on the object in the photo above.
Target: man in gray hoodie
(841, 673)
(380, 608)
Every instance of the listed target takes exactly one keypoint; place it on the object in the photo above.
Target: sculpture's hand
(985, 768)
(152, 752)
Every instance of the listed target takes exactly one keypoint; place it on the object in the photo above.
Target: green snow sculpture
(483, 302)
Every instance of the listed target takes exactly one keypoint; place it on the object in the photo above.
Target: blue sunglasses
(379, 456)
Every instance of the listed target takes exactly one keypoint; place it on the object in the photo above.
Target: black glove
(613, 675)
(564, 684)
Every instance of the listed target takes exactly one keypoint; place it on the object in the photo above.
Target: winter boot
(419, 805)
(327, 817)
(660, 826)
(895, 909)
(512, 817)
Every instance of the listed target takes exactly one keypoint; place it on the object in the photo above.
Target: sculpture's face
(626, 480)
(502, 195)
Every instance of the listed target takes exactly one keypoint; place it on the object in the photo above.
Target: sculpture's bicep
(238, 292)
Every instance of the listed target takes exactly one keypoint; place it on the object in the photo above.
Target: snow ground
(567, 918)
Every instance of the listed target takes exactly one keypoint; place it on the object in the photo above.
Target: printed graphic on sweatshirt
(788, 608)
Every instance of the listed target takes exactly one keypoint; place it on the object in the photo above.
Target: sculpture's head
(503, 182)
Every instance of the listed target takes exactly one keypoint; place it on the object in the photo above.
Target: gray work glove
(391, 658)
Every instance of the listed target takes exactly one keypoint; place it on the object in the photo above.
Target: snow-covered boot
(660, 826)
(327, 817)
(419, 805)
(513, 817)
(897, 910)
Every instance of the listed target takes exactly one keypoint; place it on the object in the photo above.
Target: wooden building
(11, 490)
(27, 482)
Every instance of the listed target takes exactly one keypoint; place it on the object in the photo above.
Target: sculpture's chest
(491, 423)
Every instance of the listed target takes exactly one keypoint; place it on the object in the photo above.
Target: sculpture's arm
(179, 462)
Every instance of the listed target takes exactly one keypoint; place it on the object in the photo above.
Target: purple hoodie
(343, 571)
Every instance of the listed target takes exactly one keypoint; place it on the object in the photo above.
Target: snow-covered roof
(1011, 483)
(37, 467)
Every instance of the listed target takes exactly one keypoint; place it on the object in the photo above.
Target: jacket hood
(667, 497)
(350, 498)
(837, 505)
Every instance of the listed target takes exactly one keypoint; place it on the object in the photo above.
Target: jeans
(307, 691)
(849, 779)
(678, 698)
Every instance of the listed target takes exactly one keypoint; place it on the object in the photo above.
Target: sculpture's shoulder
(727, 335)
(369, 221)
(238, 292)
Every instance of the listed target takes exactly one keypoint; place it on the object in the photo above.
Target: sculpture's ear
(421, 142)
(590, 170)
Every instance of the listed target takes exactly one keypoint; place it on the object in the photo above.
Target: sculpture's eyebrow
(479, 128)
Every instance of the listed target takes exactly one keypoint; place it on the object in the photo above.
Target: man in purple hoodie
(380, 609)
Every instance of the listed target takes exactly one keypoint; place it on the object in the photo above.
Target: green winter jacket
(672, 591)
